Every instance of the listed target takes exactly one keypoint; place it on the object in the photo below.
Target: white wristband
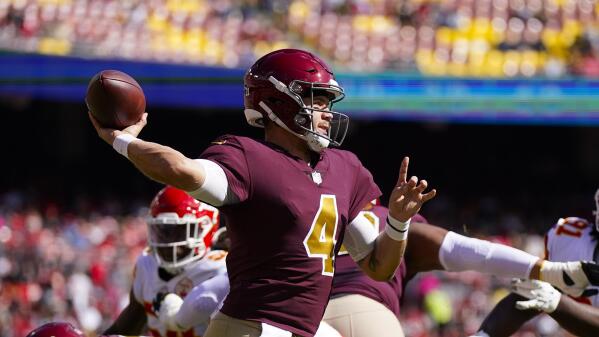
(121, 142)
(397, 230)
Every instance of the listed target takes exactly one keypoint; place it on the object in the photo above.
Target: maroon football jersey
(286, 228)
(349, 278)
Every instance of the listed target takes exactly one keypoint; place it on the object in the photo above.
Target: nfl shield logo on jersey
(316, 178)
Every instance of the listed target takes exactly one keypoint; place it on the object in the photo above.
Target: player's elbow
(186, 175)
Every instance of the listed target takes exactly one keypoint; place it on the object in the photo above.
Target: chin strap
(316, 142)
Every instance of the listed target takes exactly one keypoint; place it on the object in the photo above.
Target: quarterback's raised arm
(158, 162)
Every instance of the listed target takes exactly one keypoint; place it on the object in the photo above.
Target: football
(115, 99)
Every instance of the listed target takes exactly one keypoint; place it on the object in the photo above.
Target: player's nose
(327, 116)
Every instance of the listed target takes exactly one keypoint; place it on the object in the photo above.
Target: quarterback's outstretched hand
(541, 295)
(407, 197)
(108, 134)
(571, 277)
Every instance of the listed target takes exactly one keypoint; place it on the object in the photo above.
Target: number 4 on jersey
(320, 241)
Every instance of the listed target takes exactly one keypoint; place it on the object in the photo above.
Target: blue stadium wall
(369, 96)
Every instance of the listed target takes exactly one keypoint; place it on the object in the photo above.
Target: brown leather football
(115, 99)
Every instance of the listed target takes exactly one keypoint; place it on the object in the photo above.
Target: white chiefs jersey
(147, 285)
(571, 240)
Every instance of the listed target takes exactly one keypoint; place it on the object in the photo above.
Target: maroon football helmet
(180, 228)
(56, 329)
(275, 87)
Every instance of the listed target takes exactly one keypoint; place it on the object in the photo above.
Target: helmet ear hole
(301, 120)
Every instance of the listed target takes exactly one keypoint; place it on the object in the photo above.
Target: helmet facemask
(177, 241)
(304, 119)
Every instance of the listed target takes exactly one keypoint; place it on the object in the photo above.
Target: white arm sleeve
(359, 239)
(215, 189)
(460, 253)
(203, 301)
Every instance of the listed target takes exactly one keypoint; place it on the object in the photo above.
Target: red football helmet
(56, 329)
(180, 228)
(275, 87)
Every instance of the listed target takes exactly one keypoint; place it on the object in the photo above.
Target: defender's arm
(131, 320)
(579, 319)
(504, 320)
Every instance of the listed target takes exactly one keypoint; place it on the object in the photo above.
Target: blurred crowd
(57, 266)
(76, 265)
(213, 32)
(482, 38)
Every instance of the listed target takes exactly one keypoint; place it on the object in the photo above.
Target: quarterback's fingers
(403, 171)
(407, 186)
(525, 305)
(413, 182)
(428, 196)
(143, 120)
(136, 128)
(422, 185)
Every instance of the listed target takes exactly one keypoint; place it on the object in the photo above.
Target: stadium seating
(484, 38)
